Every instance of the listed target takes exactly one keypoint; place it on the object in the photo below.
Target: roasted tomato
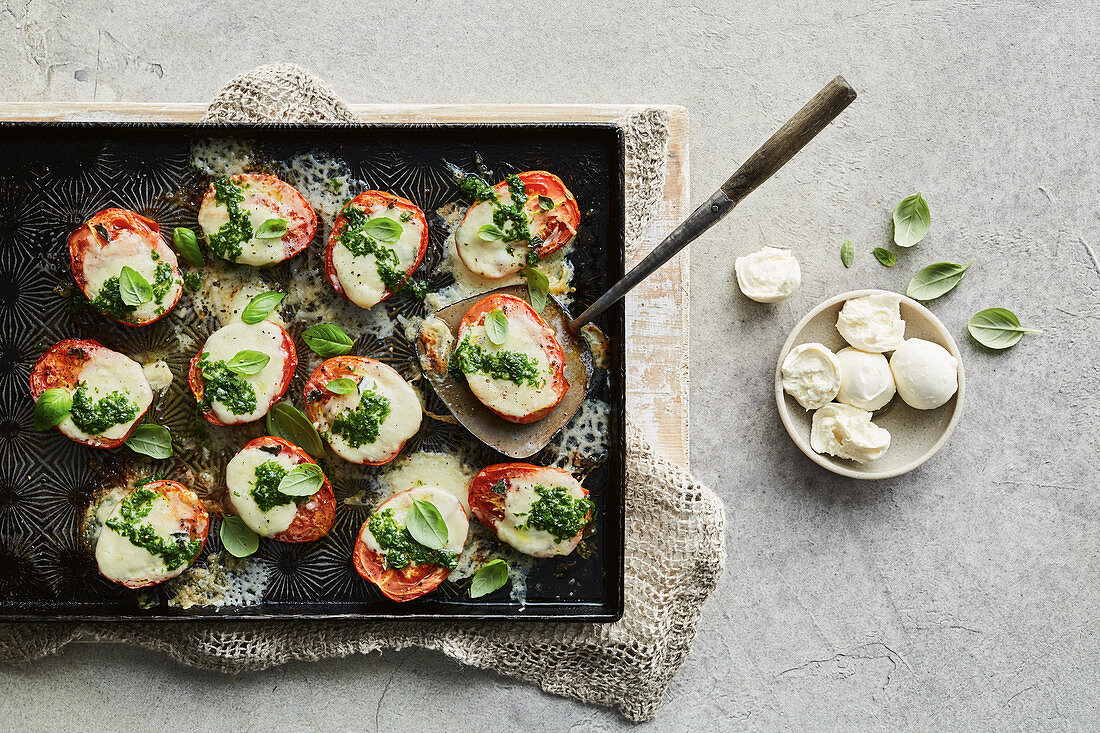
(104, 384)
(253, 476)
(373, 555)
(539, 510)
(551, 215)
(370, 424)
(521, 380)
(354, 268)
(235, 209)
(154, 534)
(242, 398)
(117, 238)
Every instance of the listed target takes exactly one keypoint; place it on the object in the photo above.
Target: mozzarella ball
(872, 322)
(847, 432)
(865, 379)
(926, 374)
(811, 374)
(768, 276)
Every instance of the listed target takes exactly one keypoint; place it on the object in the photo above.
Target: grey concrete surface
(962, 596)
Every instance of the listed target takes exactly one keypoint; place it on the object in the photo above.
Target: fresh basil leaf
(102, 232)
(912, 220)
(383, 229)
(538, 287)
(489, 577)
(51, 407)
(546, 203)
(997, 328)
(238, 539)
(490, 233)
(936, 279)
(187, 244)
(133, 288)
(286, 421)
(496, 327)
(885, 256)
(341, 385)
(271, 229)
(847, 253)
(327, 340)
(261, 307)
(151, 440)
(247, 362)
(426, 525)
(305, 479)
(499, 488)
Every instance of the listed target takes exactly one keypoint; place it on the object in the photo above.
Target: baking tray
(55, 175)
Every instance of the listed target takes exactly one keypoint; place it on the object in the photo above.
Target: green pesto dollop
(558, 512)
(266, 491)
(401, 550)
(94, 416)
(228, 240)
(361, 426)
(224, 387)
(471, 358)
(177, 551)
(354, 237)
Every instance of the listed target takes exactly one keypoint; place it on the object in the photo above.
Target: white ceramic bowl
(915, 435)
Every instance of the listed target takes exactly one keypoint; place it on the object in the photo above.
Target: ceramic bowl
(915, 435)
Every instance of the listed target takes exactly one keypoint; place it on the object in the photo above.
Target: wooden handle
(789, 139)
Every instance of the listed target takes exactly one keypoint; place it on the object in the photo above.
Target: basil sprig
(187, 244)
(489, 577)
(305, 479)
(237, 537)
(426, 525)
(248, 362)
(936, 279)
(997, 328)
(383, 229)
(341, 385)
(847, 253)
(289, 423)
(490, 233)
(261, 307)
(912, 219)
(496, 327)
(271, 229)
(885, 257)
(327, 340)
(151, 440)
(538, 287)
(51, 407)
(133, 288)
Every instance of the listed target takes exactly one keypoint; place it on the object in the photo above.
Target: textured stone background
(964, 595)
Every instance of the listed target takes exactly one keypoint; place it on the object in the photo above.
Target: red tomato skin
(518, 307)
(116, 220)
(365, 201)
(488, 506)
(314, 518)
(287, 200)
(195, 381)
(59, 366)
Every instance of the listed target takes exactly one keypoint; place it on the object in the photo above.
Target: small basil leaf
(997, 328)
(341, 385)
(51, 407)
(499, 488)
(847, 253)
(187, 244)
(305, 479)
(383, 229)
(247, 362)
(546, 203)
(538, 287)
(936, 279)
(885, 256)
(426, 525)
(489, 577)
(490, 233)
(327, 340)
(912, 219)
(102, 232)
(496, 327)
(289, 423)
(151, 440)
(238, 538)
(271, 229)
(261, 307)
(133, 288)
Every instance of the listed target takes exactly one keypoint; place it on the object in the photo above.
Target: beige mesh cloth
(674, 526)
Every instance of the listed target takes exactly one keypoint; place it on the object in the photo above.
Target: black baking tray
(55, 175)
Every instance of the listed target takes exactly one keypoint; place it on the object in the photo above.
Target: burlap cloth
(674, 526)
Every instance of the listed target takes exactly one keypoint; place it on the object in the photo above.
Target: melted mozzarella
(122, 561)
(107, 372)
(127, 249)
(159, 375)
(266, 337)
(259, 207)
(400, 424)
(359, 275)
(458, 525)
(240, 478)
(518, 501)
(524, 337)
(441, 470)
(485, 258)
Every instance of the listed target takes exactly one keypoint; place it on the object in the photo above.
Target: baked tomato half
(256, 219)
(368, 419)
(539, 510)
(387, 555)
(115, 239)
(253, 476)
(375, 246)
(108, 391)
(152, 535)
(497, 234)
(521, 379)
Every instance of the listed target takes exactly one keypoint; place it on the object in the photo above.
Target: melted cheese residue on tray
(224, 582)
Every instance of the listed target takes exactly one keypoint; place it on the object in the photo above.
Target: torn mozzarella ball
(865, 379)
(768, 276)
(847, 432)
(872, 323)
(811, 374)
(926, 374)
